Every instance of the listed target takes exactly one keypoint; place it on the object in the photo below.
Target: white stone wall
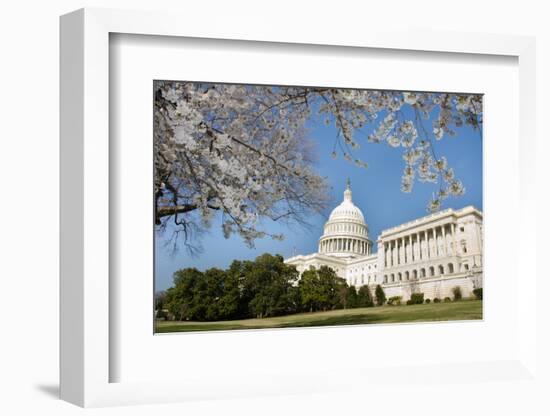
(432, 288)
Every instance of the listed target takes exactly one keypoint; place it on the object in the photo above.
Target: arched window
(451, 268)
(423, 272)
(392, 277)
(466, 267)
(385, 278)
(432, 271)
(399, 277)
(441, 270)
(415, 275)
(407, 275)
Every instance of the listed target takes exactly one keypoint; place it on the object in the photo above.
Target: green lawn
(463, 310)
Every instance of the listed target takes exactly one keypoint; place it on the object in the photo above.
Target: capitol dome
(346, 232)
(347, 209)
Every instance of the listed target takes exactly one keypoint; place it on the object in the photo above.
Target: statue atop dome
(347, 192)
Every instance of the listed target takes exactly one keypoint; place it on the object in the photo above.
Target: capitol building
(429, 255)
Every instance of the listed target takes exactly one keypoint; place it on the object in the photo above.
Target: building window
(466, 267)
(451, 268)
(441, 270)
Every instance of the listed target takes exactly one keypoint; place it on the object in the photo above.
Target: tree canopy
(260, 288)
(243, 150)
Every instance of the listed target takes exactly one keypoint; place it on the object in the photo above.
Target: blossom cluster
(244, 151)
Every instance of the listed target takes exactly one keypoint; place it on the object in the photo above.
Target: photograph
(279, 206)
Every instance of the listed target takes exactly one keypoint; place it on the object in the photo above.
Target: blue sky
(376, 191)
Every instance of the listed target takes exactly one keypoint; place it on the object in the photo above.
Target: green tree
(269, 286)
(180, 297)
(321, 289)
(364, 297)
(211, 293)
(230, 305)
(160, 301)
(352, 300)
(380, 295)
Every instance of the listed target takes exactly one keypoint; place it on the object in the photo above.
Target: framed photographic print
(292, 213)
(236, 165)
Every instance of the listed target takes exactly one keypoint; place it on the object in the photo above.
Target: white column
(427, 244)
(453, 239)
(437, 253)
(397, 259)
(444, 238)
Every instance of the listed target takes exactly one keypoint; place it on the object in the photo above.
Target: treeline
(256, 289)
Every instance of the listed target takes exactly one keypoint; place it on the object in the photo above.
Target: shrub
(409, 302)
(457, 293)
(427, 301)
(395, 300)
(478, 293)
(417, 298)
(437, 300)
(380, 295)
(447, 299)
(364, 297)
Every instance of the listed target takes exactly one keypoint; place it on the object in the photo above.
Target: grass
(451, 311)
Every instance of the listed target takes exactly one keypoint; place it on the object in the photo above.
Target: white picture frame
(86, 356)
